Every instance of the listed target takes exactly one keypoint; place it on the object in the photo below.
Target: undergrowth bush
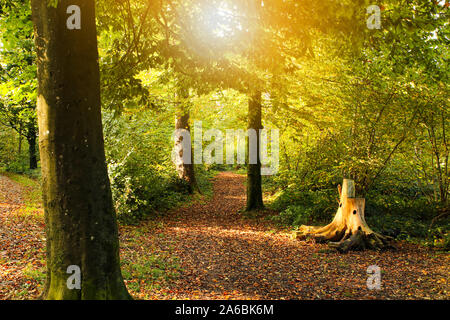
(143, 177)
(404, 215)
(140, 190)
(299, 207)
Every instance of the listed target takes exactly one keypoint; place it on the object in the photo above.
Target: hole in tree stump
(338, 233)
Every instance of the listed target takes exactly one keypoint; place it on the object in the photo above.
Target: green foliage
(143, 179)
(18, 76)
(8, 150)
(151, 268)
(298, 207)
(140, 191)
(18, 66)
(402, 213)
(18, 165)
(375, 112)
(11, 159)
(348, 101)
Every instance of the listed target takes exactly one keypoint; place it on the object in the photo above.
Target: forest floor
(207, 249)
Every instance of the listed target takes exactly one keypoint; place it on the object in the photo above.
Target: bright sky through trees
(222, 20)
(334, 92)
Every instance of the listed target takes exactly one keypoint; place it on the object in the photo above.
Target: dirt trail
(224, 255)
(11, 193)
(21, 242)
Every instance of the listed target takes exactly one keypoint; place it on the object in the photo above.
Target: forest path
(11, 193)
(22, 249)
(224, 255)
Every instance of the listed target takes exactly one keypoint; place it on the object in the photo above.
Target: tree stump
(349, 229)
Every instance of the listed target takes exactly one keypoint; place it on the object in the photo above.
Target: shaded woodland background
(371, 105)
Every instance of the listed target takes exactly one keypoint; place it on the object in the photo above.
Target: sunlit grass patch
(146, 274)
(33, 196)
(148, 269)
(35, 273)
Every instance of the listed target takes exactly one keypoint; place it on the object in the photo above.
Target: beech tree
(80, 219)
(254, 189)
(185, 169)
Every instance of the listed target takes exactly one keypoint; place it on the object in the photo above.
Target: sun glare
(222, 20)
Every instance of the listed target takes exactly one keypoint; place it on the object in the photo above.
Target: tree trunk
(254, 189)
(185, 170)
(80, 219)
(19, 151)
(31, 138)
(348, 230)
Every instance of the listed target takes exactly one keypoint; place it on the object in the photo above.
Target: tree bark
(254, 189)
(19, 151)
(348, 230)
(31, 138)
(186, 171)
(80, 219)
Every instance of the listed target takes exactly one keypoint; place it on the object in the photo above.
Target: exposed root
(348, 230)
(362, 241)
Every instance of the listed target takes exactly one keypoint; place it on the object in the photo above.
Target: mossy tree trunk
(31, 139)
(185, 169)
(254, 188)
(348, 230)
(19, 149)
(80, 219)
